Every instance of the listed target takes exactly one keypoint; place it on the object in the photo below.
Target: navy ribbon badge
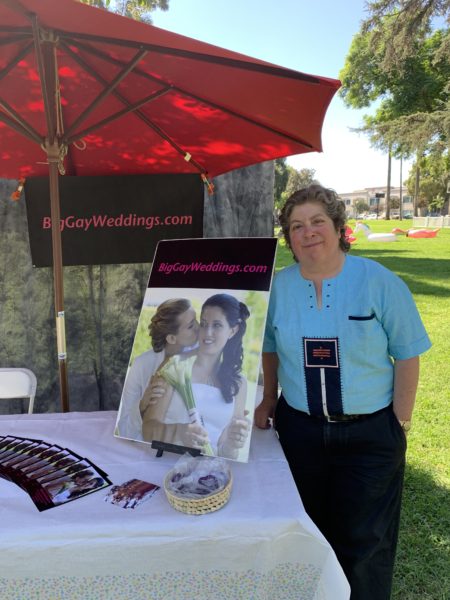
(323, 376)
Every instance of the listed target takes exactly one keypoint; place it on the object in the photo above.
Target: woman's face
(214, 330)
(312, 234)
(83, 481)
(187, 334)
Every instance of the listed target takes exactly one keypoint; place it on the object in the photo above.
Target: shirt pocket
(361, 317)
(366, 333)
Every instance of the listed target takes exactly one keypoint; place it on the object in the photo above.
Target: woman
(173, 329)
(218, 386)
(79, 485)
(342, 340)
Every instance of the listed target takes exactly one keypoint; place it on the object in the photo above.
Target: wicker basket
(199, 506)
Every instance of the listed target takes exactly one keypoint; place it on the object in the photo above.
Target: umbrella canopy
(87, 92)
(132, 98)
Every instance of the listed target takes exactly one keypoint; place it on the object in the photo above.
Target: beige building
(377, 203)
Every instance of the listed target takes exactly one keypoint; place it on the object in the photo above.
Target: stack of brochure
(50, 474)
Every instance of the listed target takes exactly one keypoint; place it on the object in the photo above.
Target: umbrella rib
(12, 39)
(33, 134)
(17, 7)
(107, 91)
(252, 120)
(20, 128)
(49, 117)
(116, 115)
(19, 56)
(82, 62)
(220, 60)
(17, 118)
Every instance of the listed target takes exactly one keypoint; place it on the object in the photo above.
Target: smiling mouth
(312, 245)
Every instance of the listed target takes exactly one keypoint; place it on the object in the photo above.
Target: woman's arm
(265, 410)
(235, 434)
(156, 399)
(406, 379)
(130, 421)
(240, 399)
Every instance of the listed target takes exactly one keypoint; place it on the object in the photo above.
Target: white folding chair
(18, 383)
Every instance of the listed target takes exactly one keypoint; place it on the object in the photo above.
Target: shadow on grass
(422, 571)
(417, 273)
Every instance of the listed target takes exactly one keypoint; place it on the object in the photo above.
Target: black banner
(113, 220)
(233, 263)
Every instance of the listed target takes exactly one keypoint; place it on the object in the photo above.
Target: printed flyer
(50, 474)
(192, 379)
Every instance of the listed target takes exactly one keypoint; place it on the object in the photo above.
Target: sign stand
(164, 446)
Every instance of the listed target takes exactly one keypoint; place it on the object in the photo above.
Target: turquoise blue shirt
(339, 358)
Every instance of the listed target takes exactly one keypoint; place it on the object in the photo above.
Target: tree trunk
(417, 187)
(97, 308)
(388, 187)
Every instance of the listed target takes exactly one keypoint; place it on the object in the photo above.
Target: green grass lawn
(423, 559)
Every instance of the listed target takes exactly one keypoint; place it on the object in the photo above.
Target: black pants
(350, 478)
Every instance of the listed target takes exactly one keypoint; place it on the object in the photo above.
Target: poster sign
(113, 220)
(192, 379)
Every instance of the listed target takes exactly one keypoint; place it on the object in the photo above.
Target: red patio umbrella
(87, 92)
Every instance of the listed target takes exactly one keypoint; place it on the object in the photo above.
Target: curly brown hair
(165, 321)
(328, 198)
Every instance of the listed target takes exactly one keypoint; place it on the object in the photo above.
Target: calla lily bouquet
(178, 374)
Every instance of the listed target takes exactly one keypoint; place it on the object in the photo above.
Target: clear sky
(312, 36)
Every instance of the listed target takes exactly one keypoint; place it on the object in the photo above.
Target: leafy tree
(281, 179)
(395, 202)
(298, 179)
(361, 206)
(288, 180)
(255, 325)
(136, 9)
(410, 19)
(415, 101)
(27, 324)
(414, 112)
(435, 176)
(103, 303)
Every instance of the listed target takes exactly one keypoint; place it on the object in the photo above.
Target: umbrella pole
(45, 48)
(53, 159)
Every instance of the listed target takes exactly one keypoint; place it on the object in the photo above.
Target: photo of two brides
(194, 385)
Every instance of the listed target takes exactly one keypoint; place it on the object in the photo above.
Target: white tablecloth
(260, 546)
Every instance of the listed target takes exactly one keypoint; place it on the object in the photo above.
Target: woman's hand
(264, 413)
(195, 436)
(156, 389)
(238, 430)
(234, 436)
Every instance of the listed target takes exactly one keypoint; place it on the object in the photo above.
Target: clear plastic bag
(198, 476)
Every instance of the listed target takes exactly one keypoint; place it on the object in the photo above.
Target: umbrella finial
(18, 191)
